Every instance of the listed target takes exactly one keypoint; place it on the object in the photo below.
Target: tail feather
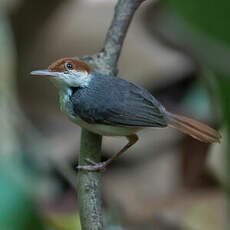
(194, 128)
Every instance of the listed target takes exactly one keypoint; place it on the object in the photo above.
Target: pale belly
(106, 130)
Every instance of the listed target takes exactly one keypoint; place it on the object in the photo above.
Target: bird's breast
(65, 102)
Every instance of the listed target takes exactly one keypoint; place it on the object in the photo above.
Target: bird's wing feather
(114, 101)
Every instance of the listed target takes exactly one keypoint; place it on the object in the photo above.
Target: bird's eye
(69, 65)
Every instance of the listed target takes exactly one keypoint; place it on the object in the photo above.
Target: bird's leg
(102, 165)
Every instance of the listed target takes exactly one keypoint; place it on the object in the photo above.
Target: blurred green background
(179, 51)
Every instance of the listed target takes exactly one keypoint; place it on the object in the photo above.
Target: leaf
(210, 17)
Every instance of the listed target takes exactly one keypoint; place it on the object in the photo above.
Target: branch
(106, 60)
(89, 183)
(124, 12)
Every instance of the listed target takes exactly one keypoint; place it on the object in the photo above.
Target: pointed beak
(44, 72)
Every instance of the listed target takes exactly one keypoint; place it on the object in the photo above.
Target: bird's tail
(194, 128)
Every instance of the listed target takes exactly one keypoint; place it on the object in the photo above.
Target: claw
(93, 166)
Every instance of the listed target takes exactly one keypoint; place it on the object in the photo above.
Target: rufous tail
(194, 128)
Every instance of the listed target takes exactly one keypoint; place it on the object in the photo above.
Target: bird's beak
(44, 72)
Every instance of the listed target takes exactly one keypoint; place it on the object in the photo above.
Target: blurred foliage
(212, 19)
(209, 16)
(17, 210)
(17, 206)
(224, 92)
(64, 221)
(210, 41)
(197, 101)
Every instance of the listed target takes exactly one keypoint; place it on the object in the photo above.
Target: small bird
(111, 106)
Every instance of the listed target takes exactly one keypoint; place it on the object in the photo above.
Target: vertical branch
(117, 31)
(89, 183)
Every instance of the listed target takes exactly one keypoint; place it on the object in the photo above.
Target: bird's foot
(101, 166)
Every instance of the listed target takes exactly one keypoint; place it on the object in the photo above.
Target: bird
(112, 106)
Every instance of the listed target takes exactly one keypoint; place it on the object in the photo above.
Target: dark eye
(69, 65)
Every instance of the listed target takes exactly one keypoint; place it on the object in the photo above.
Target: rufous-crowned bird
(111, 106)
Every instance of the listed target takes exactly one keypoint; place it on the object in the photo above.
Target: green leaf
(209, 16)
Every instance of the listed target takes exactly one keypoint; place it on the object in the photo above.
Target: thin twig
(89, 183)
(116, 34)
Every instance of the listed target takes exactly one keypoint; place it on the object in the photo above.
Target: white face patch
(78, 78)
(71, 78)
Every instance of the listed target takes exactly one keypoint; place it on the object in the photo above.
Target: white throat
(71, 78)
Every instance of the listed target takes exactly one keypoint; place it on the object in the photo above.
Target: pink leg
(102, 165)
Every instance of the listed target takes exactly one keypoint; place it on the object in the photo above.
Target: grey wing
(118, 102)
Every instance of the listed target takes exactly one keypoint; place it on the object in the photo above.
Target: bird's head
(67, 72)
